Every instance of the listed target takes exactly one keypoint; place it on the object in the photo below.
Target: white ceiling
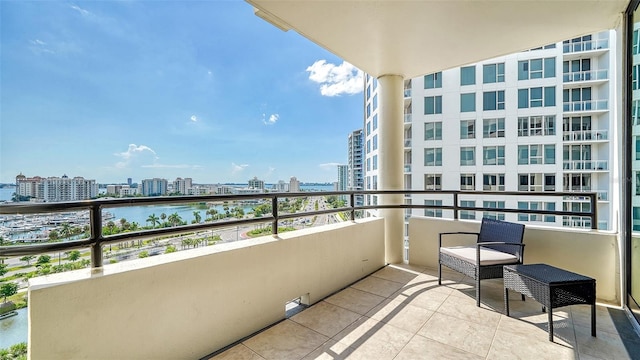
(418, 37)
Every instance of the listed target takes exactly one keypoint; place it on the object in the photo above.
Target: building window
(533, 154)
(467, 155)
(493, 73)
(549, 182)
(433, 81)
(537, 68)
(368, 164)
(467, 214)
(375, 102)
(432, 105)
(493, 155)
(577, 157)
(375, 122)
(368, 110)
(433, 212)
(537, 97)
(493, 128)
(432, 182)
(493, 205)
(368, 91)
(433, 157)
(433, 131)
(468, 75)
(375, 162)
(576, 70)
(577, 99)
(537, 125)
(467, 129)
(368, 128)
(375, 142)
(576, 182)
(534, 206)
(467, 182)
(467, 102)
(368, 146)
(530, 182)
(493, 182)
(493, 100)
(576, 221)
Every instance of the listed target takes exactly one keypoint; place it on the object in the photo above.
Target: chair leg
(478, 291)
(439, 273)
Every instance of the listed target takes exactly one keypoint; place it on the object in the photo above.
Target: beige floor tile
(355, 300)
(378, 286)
(509, 346)
(537, 327)
(400, 314)
(420, 347)
(466, 309)
(605, 345)
(326, 318)
(423, 296)
(371, 339)
(331, 350)
(397, 274)
(238, 352)
(465, 335)
(284, 341)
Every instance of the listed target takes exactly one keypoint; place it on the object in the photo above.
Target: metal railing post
(352, 198)
(96, 235)
(455, 206)
(274, 211)
(594, 211)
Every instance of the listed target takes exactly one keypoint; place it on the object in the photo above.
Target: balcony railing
(407, 117)
(587, 75)
(580, 46)
(407, 93)
(600, 165)
(585, 135)
(589, 105)
(97, 240)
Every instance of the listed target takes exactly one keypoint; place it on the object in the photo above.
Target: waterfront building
(114, 189)
(128, 191)
(537, 120)
(343, 175)
(154, 187)
(182, 186)
(54, 189)
(256, 183)
(355, 150)
(294, 184)
(281, 186)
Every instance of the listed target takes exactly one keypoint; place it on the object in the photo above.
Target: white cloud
(329, 166)
(141, 153)
(273, 118)
(80, 10)
(334, 79)
(237, 168)
(194, 118)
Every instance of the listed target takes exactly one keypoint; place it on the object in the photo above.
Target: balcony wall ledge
(191, 303)
(593, 253)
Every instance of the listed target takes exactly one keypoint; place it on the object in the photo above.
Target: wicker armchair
(499, 243)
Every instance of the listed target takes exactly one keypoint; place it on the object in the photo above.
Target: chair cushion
(487, 256)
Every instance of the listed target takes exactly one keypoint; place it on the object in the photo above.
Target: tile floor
(400, 312)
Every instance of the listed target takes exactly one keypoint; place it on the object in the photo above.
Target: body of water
(14, 330)
(6, 193)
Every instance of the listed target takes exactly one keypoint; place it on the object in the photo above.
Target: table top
(547, 274)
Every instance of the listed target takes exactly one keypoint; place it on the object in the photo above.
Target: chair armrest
(479, 245)
(454, 233)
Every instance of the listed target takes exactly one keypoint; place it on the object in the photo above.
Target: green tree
(73, 255)
(174, 219)
(28, 259)
(3, 269)
(143, 254)
(43, 259)
(65, 230)
(163, 217)
(54, 235)
(153, 219)
(3, 242)
(197, 216)
(170, 249)
(8, 289)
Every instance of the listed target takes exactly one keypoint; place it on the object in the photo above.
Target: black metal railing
(97, 240)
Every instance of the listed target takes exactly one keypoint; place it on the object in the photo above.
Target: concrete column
(391, 162)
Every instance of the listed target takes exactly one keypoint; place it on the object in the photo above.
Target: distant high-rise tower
(355, 180)
(129, 181)
(154, 187)
(294, 184)
(343, 177)
(256, 183)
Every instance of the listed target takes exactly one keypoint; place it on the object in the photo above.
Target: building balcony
(407, 93)
(588, 165)
(586, 76)
(407, 168)
(582, 46)
(407, 143)
(585, 106)
(407, 117)
(585, 135)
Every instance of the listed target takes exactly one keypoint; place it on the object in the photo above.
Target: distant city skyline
(113, 90)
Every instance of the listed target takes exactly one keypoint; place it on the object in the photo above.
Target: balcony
(588, 75)
(589, 165)
(585, 135)
(407, 117)
(228, 291)
(585, 106)
(582, 46)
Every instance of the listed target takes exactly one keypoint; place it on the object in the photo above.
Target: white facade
(294, 184)
(355, 176)
(537, 120)
(343, 176)
(154, 187)
(54, 189)
(256, 183)
(183, 186)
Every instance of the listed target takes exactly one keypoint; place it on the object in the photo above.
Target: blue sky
(203, 89)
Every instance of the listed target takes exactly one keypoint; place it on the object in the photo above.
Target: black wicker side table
(552, 287)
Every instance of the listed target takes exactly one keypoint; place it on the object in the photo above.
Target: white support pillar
(390, 162)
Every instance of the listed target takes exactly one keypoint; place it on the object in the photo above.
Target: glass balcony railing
(407, 93)
(407, 143)
(407, 168)
(580, 46)
(586, 165)
(588, 75)
(588, 105)
(407, 118)
(585, 135)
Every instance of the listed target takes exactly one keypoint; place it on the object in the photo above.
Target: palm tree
(153, 219)
(163, 216)
(65, 230)
(111, 226)
(174, 219)
(197, 216)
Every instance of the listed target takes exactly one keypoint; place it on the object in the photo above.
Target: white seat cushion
(487, 256)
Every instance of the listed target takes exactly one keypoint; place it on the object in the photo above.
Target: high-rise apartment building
(343, 176)
(54, 189)
(294, 184)
(154, 187)
(355, 151)
(538, 120)
(183, 186)
(256, 183)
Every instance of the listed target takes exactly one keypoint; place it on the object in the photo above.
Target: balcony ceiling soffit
(413, 38)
